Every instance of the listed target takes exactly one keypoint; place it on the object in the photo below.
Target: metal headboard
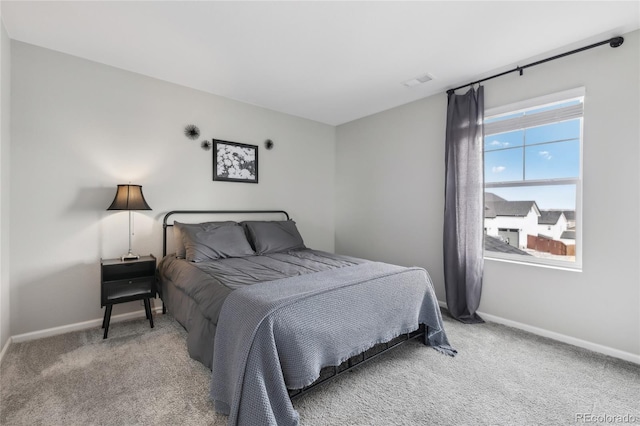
(166, 216)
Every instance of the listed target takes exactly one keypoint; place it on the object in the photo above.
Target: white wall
(79, 128)
(5, 138)
(390, 202)
(390, 186)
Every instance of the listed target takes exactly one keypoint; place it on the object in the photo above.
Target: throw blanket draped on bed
(279, 334)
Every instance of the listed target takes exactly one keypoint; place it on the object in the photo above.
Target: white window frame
(558, 97)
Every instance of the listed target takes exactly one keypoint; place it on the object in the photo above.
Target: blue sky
(545, 152)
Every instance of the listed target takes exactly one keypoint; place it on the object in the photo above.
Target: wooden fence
(548, 245)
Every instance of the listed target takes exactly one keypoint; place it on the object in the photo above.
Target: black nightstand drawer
(122, 289)
(117, 270)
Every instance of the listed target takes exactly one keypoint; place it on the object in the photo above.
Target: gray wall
(79, 128)
(390, 186)
(5, 138)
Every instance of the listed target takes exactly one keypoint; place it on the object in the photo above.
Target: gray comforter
(195, 292)
(279, 334)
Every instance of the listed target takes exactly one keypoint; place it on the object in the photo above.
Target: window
(533, 180)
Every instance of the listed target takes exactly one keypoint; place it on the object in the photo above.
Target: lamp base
(129, 256)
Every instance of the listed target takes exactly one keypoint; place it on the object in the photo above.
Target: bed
(273, 318)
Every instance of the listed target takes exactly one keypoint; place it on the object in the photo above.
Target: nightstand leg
(107, 318)
(104, 319)
(147, 308)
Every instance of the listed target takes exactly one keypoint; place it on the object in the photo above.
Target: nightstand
(125, 281)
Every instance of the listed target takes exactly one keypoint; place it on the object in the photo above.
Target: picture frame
(235, 162)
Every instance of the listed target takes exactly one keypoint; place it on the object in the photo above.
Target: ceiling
(331, 62)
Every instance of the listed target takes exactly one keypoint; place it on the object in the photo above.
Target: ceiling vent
(418, 80)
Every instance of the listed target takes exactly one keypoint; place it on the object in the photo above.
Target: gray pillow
(181, 251)
(273, 236)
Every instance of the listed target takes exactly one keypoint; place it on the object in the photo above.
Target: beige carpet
(144, 376)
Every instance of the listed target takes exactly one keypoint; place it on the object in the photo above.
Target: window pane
(553, 160)
(524, 220)
(537, 221)
(553, 132)
(503, 166)
(503, 140)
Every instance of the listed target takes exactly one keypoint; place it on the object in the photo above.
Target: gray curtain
(464, 205)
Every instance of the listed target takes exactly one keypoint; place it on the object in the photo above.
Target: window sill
(539, 263)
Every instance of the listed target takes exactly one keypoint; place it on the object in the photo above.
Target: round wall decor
(191, 131)
(268, 144)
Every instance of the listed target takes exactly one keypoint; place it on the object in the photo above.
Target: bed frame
(327, 373)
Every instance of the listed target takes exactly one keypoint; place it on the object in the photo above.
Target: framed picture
(235, 162)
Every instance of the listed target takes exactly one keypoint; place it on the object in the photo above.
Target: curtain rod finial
(616, 41)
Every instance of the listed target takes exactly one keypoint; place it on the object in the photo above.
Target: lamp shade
(129, 197)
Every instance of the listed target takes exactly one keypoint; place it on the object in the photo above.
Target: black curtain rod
(613, 42)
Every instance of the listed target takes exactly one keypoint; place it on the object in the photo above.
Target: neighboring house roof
(569, 214)
(498, 206)
(549, 217)
(490, 197)
(568, 235)
(511, 208)
(489, 212)
(496, 244)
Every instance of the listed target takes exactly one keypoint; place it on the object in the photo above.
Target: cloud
(498, 143)
(545, 154)
(498, 169)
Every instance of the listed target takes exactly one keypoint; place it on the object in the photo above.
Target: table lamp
(129, 197)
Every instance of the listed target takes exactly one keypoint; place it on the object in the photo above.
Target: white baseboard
(616, 353)
(4, 348)
(78, 326)
(595, 347)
